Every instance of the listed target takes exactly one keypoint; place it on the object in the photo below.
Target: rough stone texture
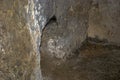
(21, 23)
(91, 62)
(67, 29)
(34, 13)
(104, 21)
(17, 54)
(65, 23)
(73, 20)
(71, 23)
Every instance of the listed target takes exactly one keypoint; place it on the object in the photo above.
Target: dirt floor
(90, 62)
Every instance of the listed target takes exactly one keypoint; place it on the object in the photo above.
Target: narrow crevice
(52, 19)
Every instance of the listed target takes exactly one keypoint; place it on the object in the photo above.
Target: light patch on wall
(36, 22)
(55, 49)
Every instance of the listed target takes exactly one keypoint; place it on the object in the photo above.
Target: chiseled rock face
(67, 29)
(65, 25)
(104, 21)
(74, 20)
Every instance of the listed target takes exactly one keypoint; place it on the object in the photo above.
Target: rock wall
(104, 21)
(63, 25)
(17, 57)
(74, 21)
(67, 28)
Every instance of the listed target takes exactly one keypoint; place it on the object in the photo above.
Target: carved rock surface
(65, 24)
(73, 21)
(66, 29)
(104, 21)
(91, 62)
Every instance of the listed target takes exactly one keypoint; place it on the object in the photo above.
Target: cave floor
(90, 62)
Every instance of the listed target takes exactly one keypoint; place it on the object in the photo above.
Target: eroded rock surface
(17, 56)
(104, 19)
(74, 21)
(67, 29)
(66, 24)
(90, 62)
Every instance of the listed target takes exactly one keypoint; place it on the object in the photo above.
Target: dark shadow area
(92, 62)
(52, 19)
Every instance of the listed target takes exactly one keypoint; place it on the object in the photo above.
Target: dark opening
(52, 19)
